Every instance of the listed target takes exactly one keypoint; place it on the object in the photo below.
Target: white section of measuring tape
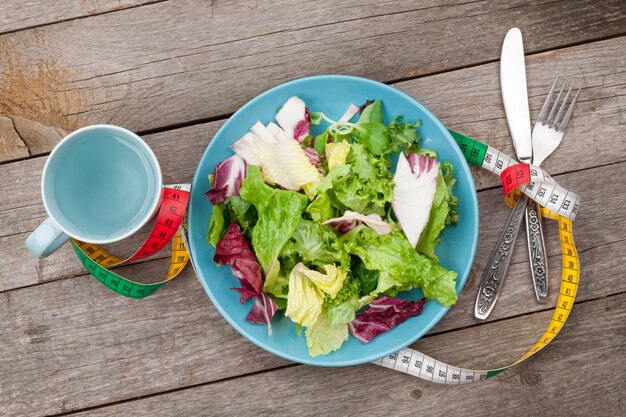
(542, 187)
(423, 366)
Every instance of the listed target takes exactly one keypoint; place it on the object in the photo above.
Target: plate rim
(370, 357)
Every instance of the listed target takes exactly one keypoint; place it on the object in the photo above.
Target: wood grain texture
(580, 374)
(11, 145)
(162, 64)
(21, 14)
(78, 335)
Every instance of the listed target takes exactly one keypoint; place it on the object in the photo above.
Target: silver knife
(515, 98)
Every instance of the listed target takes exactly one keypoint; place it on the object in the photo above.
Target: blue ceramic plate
(331, 94)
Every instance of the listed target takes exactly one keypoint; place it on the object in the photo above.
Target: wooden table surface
(173, 71)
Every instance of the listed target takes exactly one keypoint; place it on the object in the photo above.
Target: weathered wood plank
(163, 64)
(580, 374)
(20, 14)
(474, 108)
(76, 334)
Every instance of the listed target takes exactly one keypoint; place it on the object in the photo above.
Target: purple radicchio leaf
(314, 158)
(234, 250)
(350, 219)
(228, 176)
(262, 311)
(364, 105)
(384, 314)
(420, 164)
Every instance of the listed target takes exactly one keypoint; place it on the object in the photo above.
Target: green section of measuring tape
(115, 282)
(473, 151)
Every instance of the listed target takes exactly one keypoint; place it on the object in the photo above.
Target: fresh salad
(324, 230)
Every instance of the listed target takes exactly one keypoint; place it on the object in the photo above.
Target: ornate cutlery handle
(537, 251)
(493, 277)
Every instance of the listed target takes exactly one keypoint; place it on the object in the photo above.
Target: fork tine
(570, 110)
(550, 120)
(562, 108)
(541, 118)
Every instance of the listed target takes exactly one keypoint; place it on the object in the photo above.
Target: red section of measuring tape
(171, 215)
(515, 176)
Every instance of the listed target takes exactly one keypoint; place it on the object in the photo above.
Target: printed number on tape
(169, 227)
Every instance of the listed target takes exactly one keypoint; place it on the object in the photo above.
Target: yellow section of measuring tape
(415, 363)
(570, 274)
(96, 260)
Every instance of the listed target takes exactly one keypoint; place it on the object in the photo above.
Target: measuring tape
(423, 366)
(529, 179)
(169, 226)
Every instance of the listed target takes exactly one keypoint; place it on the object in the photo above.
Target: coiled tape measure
(169, 226)
(557, 204)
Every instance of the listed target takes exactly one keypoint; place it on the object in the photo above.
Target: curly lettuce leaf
(403, 135)
(315, 244)
(363, 185)
(391, 253)
(442, 285)
(279, 213)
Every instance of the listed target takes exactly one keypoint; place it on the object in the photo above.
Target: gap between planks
(579, 304)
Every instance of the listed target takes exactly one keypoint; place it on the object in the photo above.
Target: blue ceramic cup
(100, 184)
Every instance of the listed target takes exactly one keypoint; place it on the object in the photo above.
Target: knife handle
(537, 251)
(493, 277)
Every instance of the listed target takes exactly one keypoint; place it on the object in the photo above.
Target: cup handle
(46, 239)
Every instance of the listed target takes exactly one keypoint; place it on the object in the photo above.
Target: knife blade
(515, 95)
(515, 99)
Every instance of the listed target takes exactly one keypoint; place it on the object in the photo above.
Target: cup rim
(157, 195)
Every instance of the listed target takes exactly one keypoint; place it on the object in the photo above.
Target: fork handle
(493, 277)
(537, 251)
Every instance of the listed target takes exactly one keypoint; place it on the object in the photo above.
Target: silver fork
(546, 137)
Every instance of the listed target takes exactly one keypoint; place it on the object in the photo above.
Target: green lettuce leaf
(324, 337)
(342, 313)
(320, 208)
(403, 135)
(363, 185)
(315, 244)
(372, 113)
(385, 284)
(279, 213)
(349, 291)
(243, 213)
(441, 286)
(391, 253)
(375, 137)
(441, 212)
(450, 180)
(216, 225)
(367, 279)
